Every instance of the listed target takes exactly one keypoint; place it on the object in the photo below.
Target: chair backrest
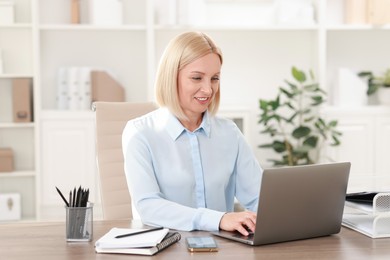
(111, 118)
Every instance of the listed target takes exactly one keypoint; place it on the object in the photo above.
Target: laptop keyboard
(249, 237)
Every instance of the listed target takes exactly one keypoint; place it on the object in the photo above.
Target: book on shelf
(169, 239)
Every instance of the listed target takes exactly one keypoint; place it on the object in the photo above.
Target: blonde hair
(182, 50)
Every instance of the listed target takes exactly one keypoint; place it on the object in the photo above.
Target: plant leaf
(332, 123)
(288, 94)
(311, 87)
(263, 104)
(301, 151)
(298, 75)
(278, 146)
(317, 100)
(311, 141)
(301, 131)
(293, 87)
(290, 120)
(365, 74)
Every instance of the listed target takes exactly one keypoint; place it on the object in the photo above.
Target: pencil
(62, 196)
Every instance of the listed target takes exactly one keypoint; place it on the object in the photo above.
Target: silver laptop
(298, 202)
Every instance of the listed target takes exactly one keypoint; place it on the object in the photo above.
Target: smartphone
(201, 244)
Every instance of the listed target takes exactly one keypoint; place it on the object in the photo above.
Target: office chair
(111, 118)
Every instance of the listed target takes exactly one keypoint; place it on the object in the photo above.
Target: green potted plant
(378, 84)
(292, 120)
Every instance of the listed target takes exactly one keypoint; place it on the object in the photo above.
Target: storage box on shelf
(6, 12)
(10, 207)
(6, 160)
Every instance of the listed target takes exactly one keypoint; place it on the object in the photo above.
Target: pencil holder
(79, 223)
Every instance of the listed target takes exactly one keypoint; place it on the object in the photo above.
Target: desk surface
(46, 240)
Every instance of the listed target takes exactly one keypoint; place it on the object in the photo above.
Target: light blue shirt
(188, 180)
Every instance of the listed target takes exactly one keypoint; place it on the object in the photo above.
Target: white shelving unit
(257, 58)
(16, 44)
(67, 137)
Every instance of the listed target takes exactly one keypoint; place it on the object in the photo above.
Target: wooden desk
(47, 241)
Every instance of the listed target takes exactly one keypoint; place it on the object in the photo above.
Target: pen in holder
(79, 223)
(79, 215)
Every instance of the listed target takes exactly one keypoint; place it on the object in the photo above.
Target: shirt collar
(175, 128)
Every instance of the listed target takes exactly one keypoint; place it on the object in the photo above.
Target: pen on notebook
(139, 232)
(62, 196)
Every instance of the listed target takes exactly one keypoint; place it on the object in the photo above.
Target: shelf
(16, 26)
(370, 110)
(26, 220)
(14, 76)
(67, 114)
(17, 125)
(17, 174)
(357, 27)
(237, 28)
(88, 27)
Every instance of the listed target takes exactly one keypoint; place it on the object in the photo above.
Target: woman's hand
(239, 221)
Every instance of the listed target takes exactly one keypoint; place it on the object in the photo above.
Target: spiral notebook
(169, 239)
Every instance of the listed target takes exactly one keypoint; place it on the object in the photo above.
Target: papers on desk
(141, 244)
(356, 207)
(369, 225)
(368, 213)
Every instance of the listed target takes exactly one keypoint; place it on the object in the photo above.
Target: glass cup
(79, 223)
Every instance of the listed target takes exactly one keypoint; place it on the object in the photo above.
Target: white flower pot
(384, 96)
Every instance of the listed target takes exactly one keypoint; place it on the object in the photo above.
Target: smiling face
(197, 83)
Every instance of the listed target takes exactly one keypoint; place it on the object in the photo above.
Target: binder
(73, 88)
(106, 88)
(85, 88)
(62, 89)
(22, 99)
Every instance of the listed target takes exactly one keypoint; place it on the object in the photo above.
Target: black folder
(366, 197)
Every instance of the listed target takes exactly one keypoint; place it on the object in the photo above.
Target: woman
(184, 166)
